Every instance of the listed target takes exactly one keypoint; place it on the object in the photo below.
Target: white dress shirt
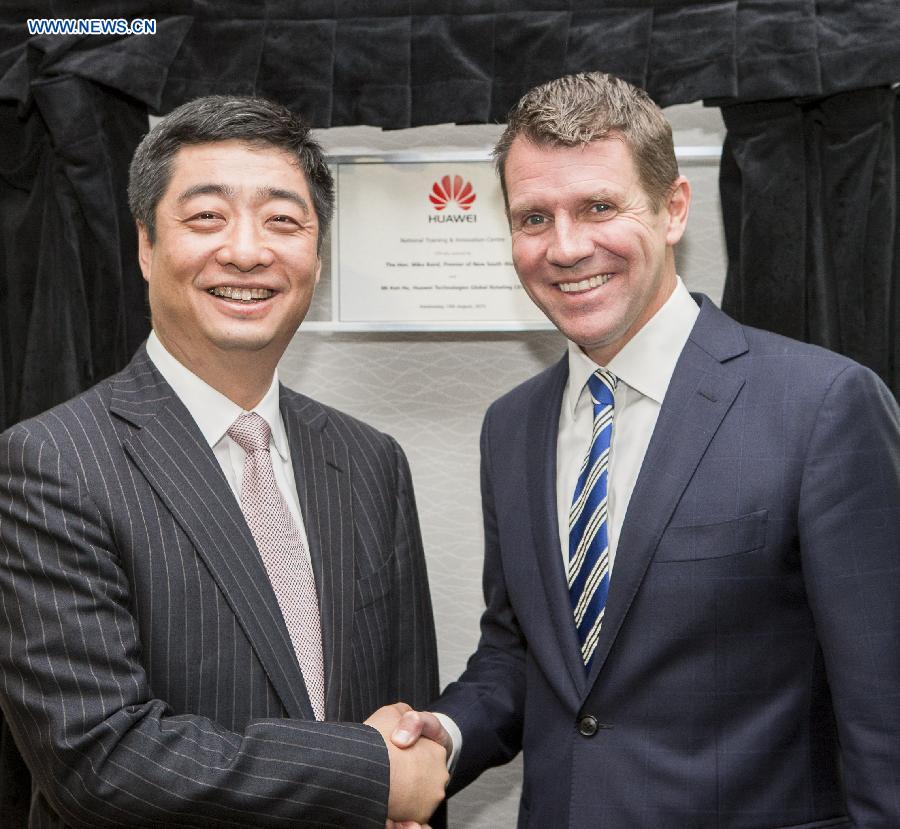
(214, 414)
(644, 367)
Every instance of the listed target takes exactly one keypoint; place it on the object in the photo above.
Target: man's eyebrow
(223, 190)
(263, 194)
(269, 193)
(604, 195)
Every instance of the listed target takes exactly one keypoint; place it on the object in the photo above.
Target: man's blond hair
(576, 109)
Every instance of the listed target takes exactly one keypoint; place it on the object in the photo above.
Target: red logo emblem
(452, 189)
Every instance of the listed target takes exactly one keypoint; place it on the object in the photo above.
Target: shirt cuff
(455, 737)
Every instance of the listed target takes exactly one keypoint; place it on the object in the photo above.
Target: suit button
(587, 726)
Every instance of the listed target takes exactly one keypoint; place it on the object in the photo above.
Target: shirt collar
(212, 410)
(647, 361)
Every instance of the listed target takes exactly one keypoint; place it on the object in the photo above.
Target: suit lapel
(169, 450)
(542, 430)
(699, 396)
(322, 473)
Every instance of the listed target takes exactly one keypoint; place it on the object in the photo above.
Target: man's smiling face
(233, 265)
(590, 248)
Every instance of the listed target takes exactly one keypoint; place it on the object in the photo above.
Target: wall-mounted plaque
(425, 244)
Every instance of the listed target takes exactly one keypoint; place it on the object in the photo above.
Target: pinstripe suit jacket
(145, 669)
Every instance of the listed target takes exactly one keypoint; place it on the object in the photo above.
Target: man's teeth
(592, 282)
(242, 294)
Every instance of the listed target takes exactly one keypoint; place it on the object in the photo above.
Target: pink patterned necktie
(281, 548)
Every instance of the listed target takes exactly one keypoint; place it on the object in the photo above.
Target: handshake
(418, 766)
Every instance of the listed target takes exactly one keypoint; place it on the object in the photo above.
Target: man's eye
(600, 207)
(205, 220)
(534, 220)
(283, 220)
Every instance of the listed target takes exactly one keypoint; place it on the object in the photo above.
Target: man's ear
(145, 250)
(678, 204)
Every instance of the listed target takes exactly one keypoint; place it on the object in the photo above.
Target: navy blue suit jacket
(748, 670)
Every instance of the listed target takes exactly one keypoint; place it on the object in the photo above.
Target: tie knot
(250, 432)
(602, 384)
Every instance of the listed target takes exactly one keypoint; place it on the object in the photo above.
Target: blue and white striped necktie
(588, 573)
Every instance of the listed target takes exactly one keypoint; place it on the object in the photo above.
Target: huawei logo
(452, 189)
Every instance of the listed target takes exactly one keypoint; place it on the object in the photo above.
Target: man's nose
(570, 244)
(245, 247)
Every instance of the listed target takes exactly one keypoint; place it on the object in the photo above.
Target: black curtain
(72, 111)
(403, 63)
(809, 201)
(73, 309)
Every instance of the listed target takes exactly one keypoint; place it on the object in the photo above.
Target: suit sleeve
(849, 525)
(103, 751)
(487, 702)
(415, 643)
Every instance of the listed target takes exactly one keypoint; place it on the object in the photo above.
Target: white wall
(430, 391)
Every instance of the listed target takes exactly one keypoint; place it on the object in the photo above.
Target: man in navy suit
(691, 526)
(208, 581)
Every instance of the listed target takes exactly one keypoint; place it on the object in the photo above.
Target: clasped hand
(418, 767)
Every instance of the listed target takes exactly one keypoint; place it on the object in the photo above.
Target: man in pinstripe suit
(146, 668)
